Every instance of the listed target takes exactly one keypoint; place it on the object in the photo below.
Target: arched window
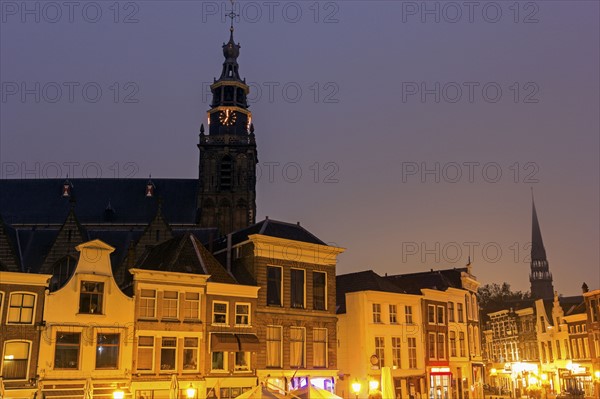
(226, 173)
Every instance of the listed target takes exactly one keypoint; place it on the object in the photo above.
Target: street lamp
(191, 391)
(356, 387)
(118, 394)
(373, 385)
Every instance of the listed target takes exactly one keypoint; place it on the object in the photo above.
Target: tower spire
(540, 277)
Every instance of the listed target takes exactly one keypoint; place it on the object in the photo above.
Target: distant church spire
(540, 277)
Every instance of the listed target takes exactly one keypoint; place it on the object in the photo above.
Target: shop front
(440, 382)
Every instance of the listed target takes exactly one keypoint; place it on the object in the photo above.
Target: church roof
(538, 252)
(39, 201)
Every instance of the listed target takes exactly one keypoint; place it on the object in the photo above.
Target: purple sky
(367, 118)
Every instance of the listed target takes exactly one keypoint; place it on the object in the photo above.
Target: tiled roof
(413, 283)
(185, 254)
(361, 281)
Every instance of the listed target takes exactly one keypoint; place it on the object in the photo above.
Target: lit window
(168, 353)
(66, 353)
(107, 351)
(242, 314)
(15, 360)
(90, 297)
(145, 353)
(412, 353)
(20, 309)
(396, 352)
(297, 345)
(242, 361)
(148, 303)
(191, 306)
(220, 312)
(320, 347)
(274, 341)
(190, 353)
(170, 299)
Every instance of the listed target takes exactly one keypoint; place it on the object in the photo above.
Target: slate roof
(272, 228)
(361, 281)
(185, 254)
(413, 283)
(39, 201)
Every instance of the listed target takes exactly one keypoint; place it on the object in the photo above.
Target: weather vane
(232, 14)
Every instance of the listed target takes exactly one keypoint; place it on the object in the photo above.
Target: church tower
(228, 155)
(540, 277)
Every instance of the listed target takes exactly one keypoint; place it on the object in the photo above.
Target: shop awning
(230, 342)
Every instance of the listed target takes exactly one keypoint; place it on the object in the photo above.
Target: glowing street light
(373, 385)
(356, 387)
(191, 391)
(118, 394)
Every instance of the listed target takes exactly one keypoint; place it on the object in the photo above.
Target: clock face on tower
(227, 117)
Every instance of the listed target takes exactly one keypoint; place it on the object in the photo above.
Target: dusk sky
(406, 132)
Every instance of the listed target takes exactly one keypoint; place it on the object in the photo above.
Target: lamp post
(191, 392)
(356, 387)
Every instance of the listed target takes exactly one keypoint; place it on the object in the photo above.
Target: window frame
(33, 308)
(280, 340)
(166, 300)
(293, 305)
(169, 348)
(215, 323)
(2, 365)
(99, 295)
(441, 309)
(2, 296)
(248, 315)
(292, 341)
(187, 347)
(432, 346)
(451, 317)
(452, 339)
(460, 312)
(380, 350)
(413, 361)
(56, 345)
(393, 315)
(431, 314)
(280, 283)
(376, 318)
(408, 314)
(186, 301)
(315, 272)
(212, 362)
(441, 346)
(146, 299)
(247, 358)
(325, 347)
(118, 346)
(397, 352)
(152, 357)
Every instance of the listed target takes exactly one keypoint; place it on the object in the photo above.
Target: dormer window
(90, 297)
(150, 189)
(66, 189)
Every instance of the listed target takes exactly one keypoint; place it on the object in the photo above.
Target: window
(320, 347)
(451, 312)
(191, 306)
(558, 352)
(440, 315)
(408, 316)
(461, 343)
(90, 297)
(20, 309)
(297, 288)
(15, 360)
(66, 352)
(468, 307)
(459, 311)
(168, 353)
(452, 335)
(148, 303)
(412, 353)
(190, 353)
(1, 304)
(145, 353)
(274, 341)
(431, 314)
(170, 304)
(218, 361)
(242, 361)
(242, 314)
(297, 341)
(577, 328)
(376, 313)
(396, 359)
(441, 346)
(319, 291)
(393, 314)
(274, 286)
(107, 351)
(566, 348)
(380, 350)
(219, 312)
(475, 308)
(431, 345)
(593, 310)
